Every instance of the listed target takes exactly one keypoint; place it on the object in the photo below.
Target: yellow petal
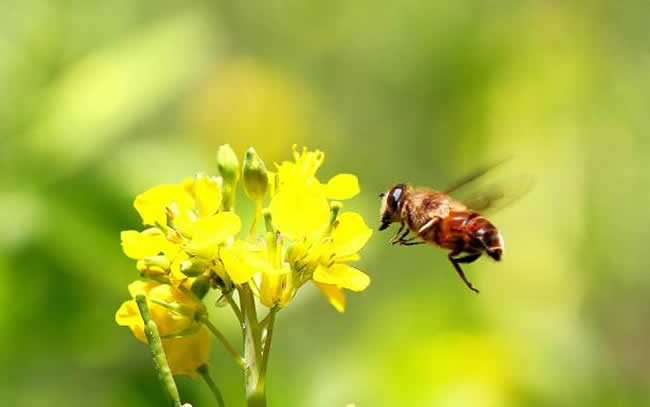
(151, 203)
(242, 261)
(342, 186)
(140, 287)
(207, 194)
(350, 235)
(274, 286)
(334, 295)
(138, 245)
(168, 321)
(343, 276)
(298, 212)
(176, 276)
(186, 354)
(129, 315)
(209, 232)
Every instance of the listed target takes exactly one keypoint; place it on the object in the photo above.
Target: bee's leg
(428, 225)
(396, 238)
(410, 242)
(456, 263)
(400, 239)
(470, 258)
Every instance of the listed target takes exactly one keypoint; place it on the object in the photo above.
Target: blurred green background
(101, 100)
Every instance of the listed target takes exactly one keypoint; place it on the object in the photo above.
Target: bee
(434, 217)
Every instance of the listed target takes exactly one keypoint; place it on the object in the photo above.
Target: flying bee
(436, 218)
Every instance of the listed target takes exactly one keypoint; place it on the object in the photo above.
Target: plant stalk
(255, 393)
(233, 352)
(205, 374)
(158, 352)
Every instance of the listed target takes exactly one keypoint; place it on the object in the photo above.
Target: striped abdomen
(467, 231)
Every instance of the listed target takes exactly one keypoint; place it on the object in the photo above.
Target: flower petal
(140, 287)
(274, 286)
(129, 315)
(209, 232)
(334, 295)
(350, 235)
(342, 186)
(186, 354)
(138, 245)
(242, 262)
(343, 276)
(151, 203)
(207, 193)
(298, 212)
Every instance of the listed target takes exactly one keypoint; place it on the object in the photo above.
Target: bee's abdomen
(482, 234)
(467, 231)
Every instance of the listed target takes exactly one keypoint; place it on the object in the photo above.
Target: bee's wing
(475, 175)
(496, 196)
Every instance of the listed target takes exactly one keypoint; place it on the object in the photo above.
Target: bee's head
(391, 204)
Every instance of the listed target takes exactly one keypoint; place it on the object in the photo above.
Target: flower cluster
(192, 244)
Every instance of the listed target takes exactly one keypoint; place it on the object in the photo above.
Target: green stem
(267, 343)
(233, 352)
(157, 352)
(205, 374)
(235, 308)
(255, 394)
(256, 219)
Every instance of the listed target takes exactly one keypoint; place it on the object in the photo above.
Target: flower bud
(228, 164)
(255, 176)
(154, 268)
(201, 286)
(194, 267)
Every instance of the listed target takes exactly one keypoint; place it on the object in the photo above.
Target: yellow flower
(150, 242)
(206, 234)
(186, 354)
(277, 286)
(279, 282)
(188, 223)
(194, 197)
(176, 314)
(299, 205)
(350, 233)
(297, 212)
(242, 260)
(152, 203)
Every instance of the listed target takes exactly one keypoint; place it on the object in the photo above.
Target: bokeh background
(101, 100)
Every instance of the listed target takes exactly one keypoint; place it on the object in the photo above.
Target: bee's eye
(394, 197)
(382, 194)
(397, 194)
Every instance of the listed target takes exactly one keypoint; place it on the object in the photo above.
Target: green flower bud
(201, 286)
(154, 268)
(228, 164)
(255, 176)
(194, 267)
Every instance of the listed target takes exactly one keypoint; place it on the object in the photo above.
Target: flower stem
(233, 352)
(205, 373)
(256, 219)
(157, 352)
(255, 394)
(267, 342)
(235, 308)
